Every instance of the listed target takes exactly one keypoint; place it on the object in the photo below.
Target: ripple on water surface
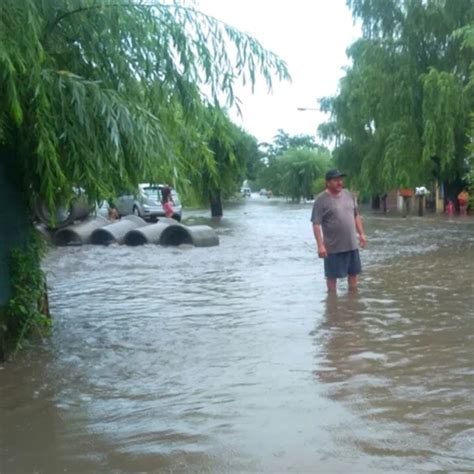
(232, 358)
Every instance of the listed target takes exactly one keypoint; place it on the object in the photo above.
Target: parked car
(246, 192)
(146, 203)
(66, 213)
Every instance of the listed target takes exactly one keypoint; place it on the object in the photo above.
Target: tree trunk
(406, 206)
(421, 205)
(3, 349)
(376, 202)
(216, 205)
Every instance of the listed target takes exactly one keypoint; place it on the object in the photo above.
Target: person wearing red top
(167, 201)
(406, 194)
(463, 200)
(450, 208)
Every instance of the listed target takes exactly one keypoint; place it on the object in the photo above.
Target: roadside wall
(13, 221)
(13, 230)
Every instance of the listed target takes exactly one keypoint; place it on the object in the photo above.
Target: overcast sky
(312, 37)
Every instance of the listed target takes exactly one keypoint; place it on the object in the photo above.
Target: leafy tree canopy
(467, 36)
(230, 158)
(402, 112)
(298, 169)
(99, 94)
(284, 141)
(291, 164)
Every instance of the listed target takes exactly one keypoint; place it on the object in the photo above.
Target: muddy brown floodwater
(233, 359)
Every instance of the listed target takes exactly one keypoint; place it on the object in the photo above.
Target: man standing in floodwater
(336, 221)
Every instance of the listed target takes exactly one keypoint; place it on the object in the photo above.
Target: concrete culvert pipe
(151, 234)
(44, 231)
(203, 236)
(78, 234)
(199, 236)
(117, 231)
(176, 235)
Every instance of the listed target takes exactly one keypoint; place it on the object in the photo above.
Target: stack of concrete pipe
(150, 234)
(198, 235)
(116, 232)
(78, 234)
(171, 233)
(134, 231)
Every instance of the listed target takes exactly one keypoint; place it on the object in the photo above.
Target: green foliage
(318, 186)
(26, 311)
(299, 168)
(219, 167)
(469, 176)
(442, 110)
(282, 169)
(294, 172)
(247, 148)
(283, 142)
(466, 34)
(101, 95)
(400, 118)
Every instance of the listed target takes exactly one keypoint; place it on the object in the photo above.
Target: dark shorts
(339, 265)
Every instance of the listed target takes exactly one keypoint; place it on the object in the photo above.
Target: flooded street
(234, 359)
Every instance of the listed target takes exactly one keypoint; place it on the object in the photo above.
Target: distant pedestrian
(406, 194)
(112, 212)
(384, 202)
(167, 201)
(336, 223)
(450, 208)
(463, 201)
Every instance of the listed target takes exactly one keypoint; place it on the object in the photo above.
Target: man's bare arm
(360, 231)
(318, 235)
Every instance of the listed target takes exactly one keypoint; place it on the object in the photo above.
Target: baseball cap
(331, 174)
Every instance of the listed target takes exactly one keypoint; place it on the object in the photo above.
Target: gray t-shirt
(336, 215)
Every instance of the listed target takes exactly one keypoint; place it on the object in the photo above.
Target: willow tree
(225, 161)
(283, 142)
(401, 115)
(299, 168)
(92, 91)
(99, 94)
(291, 163)
(467, 36)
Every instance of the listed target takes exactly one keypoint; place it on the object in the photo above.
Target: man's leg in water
(352, 282)
(332, 284)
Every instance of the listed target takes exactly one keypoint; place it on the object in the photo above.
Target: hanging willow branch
(93, 92)
(401, 116)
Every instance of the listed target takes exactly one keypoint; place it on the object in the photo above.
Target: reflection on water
(399, 354)
(234, 359)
